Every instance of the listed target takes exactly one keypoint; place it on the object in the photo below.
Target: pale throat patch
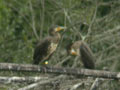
(53, 47)
(73, 52)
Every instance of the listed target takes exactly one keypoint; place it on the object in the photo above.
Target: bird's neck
(56, 38)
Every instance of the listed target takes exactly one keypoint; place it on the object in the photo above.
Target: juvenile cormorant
(80, 48)
(47, 46)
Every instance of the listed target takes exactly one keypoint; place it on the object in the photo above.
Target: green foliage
(19, 19)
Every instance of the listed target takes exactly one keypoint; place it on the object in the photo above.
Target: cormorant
(47, 46)
(80, 48)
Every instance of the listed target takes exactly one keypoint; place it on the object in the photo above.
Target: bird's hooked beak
(59, 28)
(73, 52)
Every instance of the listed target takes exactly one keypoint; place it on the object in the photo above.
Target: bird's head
(55, 29)
(75, 48)
(71, 50)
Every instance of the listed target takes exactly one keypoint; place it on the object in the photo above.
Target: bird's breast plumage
(53, 47)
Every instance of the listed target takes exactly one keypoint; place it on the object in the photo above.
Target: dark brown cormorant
(80, 48)
(46, 47)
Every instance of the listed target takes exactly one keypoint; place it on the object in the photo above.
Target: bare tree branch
(76, 86)
(33, 21)
(93, 20)
(64, 60)
(70, 21)
(42, 15)
(41, 83)
(56, 70)
(96, 83)
(7, 80)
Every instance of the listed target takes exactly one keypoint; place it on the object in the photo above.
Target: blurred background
(25, 22)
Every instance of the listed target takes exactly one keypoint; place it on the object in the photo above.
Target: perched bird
(47, 46)
(80, 48)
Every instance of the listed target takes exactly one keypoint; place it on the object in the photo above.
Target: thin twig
(69, 19)
(96, 83)
(33, 21)
(76, 86)
(31, 86)
(93, 20)
(42, 18)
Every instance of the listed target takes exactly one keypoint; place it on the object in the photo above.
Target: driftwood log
(56, 70)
